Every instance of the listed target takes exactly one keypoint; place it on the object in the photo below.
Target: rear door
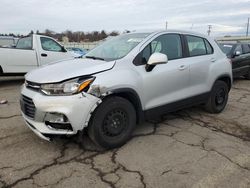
(51, 51)
(201, 56)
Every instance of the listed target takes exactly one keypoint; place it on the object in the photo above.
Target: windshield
(116, 47)
(226, 48)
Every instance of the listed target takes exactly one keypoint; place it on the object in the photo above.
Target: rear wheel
(112, 123)
(218, 97)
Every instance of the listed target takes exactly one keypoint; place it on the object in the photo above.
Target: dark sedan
(239, 53)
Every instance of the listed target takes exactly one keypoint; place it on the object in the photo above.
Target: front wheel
(218, 97)
(112, 123)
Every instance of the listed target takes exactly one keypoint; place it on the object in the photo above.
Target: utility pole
(166, 25)
(209, 30)
(192, 26)
(247, 27)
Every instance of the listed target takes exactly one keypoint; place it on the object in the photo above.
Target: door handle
(44, 55)
(212, 59)
(182, 67)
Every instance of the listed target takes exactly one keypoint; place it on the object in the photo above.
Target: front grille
(32, 85)
(28, 107)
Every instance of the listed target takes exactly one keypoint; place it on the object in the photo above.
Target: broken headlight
(69, 87)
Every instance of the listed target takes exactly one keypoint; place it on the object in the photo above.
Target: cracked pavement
(188, 148)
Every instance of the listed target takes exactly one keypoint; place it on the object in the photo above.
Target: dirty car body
(147, 73)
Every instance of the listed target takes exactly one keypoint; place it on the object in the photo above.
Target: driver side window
(169, 44)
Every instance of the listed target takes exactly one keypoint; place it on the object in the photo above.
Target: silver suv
(124, 81)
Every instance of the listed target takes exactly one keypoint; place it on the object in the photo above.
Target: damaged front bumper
(56, 115)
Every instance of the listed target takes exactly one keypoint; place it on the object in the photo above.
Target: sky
(227, 17)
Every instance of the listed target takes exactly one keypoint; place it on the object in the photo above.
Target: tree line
(77, 36)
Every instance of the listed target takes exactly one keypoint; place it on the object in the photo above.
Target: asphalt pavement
(188, 148)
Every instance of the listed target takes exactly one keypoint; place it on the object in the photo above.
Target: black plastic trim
(227, 76)
(178, 105)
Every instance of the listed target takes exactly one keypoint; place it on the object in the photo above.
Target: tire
(218, 98)
(112, 123)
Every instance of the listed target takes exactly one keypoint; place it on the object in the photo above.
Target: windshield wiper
(93, 57)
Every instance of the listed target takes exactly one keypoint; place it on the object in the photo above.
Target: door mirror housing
(64, 49)
(156, 59)
(237, 53)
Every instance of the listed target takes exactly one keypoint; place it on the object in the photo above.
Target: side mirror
(237, 53)
(156, 59)
(64, 49)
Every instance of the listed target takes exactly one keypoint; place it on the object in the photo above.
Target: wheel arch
(227, 79)
(132, 96)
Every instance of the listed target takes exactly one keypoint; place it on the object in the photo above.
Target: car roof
(171, 31)
(233, 42)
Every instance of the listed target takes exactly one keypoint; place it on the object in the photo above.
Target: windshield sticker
(228, 46)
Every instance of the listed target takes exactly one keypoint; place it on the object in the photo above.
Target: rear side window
(50, 45)
(198, 46)
(24, 43)
(246, 48)
(169, 44)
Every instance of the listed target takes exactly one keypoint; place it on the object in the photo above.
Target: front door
(51, 51)
(166, 83)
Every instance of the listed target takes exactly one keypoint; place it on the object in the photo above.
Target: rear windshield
(24, 43)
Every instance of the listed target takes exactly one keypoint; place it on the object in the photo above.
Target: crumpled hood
(57, 72)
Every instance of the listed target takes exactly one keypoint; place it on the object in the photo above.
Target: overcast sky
(225, 16)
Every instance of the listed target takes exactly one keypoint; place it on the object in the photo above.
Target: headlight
(68, 87)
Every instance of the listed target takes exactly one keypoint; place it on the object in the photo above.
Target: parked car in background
(239, 53)
(29, 53)
(77, 52)
(123, 81)
(6, 41)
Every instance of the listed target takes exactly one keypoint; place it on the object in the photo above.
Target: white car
(31, 52)
(123, 81)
